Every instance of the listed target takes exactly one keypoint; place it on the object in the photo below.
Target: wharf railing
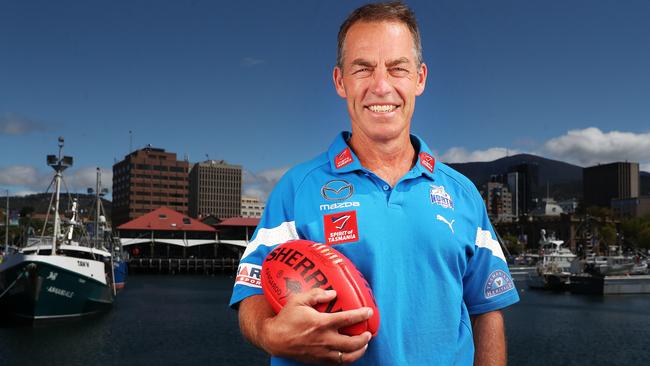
(183, 265)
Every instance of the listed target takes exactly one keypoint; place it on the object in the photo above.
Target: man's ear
(422, 79)
(337, 77)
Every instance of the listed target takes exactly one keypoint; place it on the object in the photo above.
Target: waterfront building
(631, 207)
(147, 179)
(252, 207)
(602, 183)
(165, 233)
(498, 201)
(547, 207)
(569, 206)
(523, 180)
(215, 189)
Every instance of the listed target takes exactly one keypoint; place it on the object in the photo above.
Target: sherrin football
(300, 265)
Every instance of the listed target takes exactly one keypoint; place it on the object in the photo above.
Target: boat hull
(121, 271)
(50, 287)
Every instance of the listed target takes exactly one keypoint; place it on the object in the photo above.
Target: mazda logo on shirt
(337, 190)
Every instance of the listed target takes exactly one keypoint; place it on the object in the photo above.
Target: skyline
(246, 82)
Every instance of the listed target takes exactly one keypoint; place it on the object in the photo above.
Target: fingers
(350, 344)
(312, 297)
(349, 357)
(350, 317)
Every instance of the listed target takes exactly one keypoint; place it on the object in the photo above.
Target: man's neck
(390, 160)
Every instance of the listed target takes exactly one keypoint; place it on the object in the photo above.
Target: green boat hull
(38, 290)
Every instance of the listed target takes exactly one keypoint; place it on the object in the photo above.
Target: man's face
(380, 79)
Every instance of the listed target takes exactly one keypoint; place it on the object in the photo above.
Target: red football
(300, 265)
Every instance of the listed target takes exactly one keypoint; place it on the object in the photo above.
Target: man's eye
(399, 70)
(361, 71)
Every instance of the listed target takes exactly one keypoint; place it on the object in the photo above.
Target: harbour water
(172, 320)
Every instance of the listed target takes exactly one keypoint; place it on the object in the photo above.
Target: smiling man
(414, 227)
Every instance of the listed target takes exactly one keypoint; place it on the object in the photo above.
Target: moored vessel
(62, 275)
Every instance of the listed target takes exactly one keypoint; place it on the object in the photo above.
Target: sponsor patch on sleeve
(341, 227)
(497, 283)
(249, 275)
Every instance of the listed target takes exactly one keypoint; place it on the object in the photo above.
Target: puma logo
(450, 224)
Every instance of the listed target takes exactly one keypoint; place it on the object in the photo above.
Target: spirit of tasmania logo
(341, 227)
(343, 158)
(249, 275)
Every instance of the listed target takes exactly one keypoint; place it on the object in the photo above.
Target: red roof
(240, 221)
(165, 218)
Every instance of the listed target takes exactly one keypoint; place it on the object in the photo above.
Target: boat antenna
(59, 164)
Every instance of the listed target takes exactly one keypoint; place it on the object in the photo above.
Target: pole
(7, 226)
(97, 198)
(57, 219)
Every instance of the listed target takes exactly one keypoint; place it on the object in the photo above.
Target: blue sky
(250, 82)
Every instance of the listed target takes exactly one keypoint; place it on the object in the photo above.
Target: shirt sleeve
(276, 226)
(487, 283)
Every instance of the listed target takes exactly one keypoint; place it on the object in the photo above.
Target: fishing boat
(102, 235)
(62, 275)
(554, 269)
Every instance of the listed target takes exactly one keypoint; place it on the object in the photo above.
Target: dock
(183, 265)
(620, 285)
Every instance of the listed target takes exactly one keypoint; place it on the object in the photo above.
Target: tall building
(602, 183)
(215, 189)
(251, 207)
(527, 182)
(145, 180)
(498, 201)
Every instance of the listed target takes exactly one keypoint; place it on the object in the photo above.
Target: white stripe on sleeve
(484, 240)
(284, 232)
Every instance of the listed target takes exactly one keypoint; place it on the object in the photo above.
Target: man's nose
(380, 83)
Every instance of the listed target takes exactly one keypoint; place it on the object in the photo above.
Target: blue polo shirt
(426, 247)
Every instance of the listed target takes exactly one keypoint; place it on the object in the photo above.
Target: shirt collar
(342, 158)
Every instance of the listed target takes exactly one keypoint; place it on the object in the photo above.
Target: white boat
(59, 276)
(554, 267)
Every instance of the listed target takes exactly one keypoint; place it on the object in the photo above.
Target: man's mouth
(382, 108)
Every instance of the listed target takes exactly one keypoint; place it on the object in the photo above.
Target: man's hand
(300, 332)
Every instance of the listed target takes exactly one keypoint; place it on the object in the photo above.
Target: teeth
(382, 108)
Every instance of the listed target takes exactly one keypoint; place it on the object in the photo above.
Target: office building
(251, 207)
(147, 179)
(602, 183)
(525, 185)
(215, 189)
(498, 201)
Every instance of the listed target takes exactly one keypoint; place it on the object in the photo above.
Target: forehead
(384, 40)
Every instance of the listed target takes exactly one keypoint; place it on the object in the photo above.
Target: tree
(607, 234)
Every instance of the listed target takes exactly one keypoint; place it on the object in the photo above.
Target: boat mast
(59, 164)
(7, 226)
(97, 209)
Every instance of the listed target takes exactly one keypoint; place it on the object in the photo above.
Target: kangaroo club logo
(440, 197)
(337, 190)
(341, 227)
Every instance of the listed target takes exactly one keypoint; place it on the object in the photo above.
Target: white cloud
(81, 179)
(591, 146)
(261, 184)
(19, 175)
(251, 61)
(27, 179)
(461, 155)
(13, 125)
